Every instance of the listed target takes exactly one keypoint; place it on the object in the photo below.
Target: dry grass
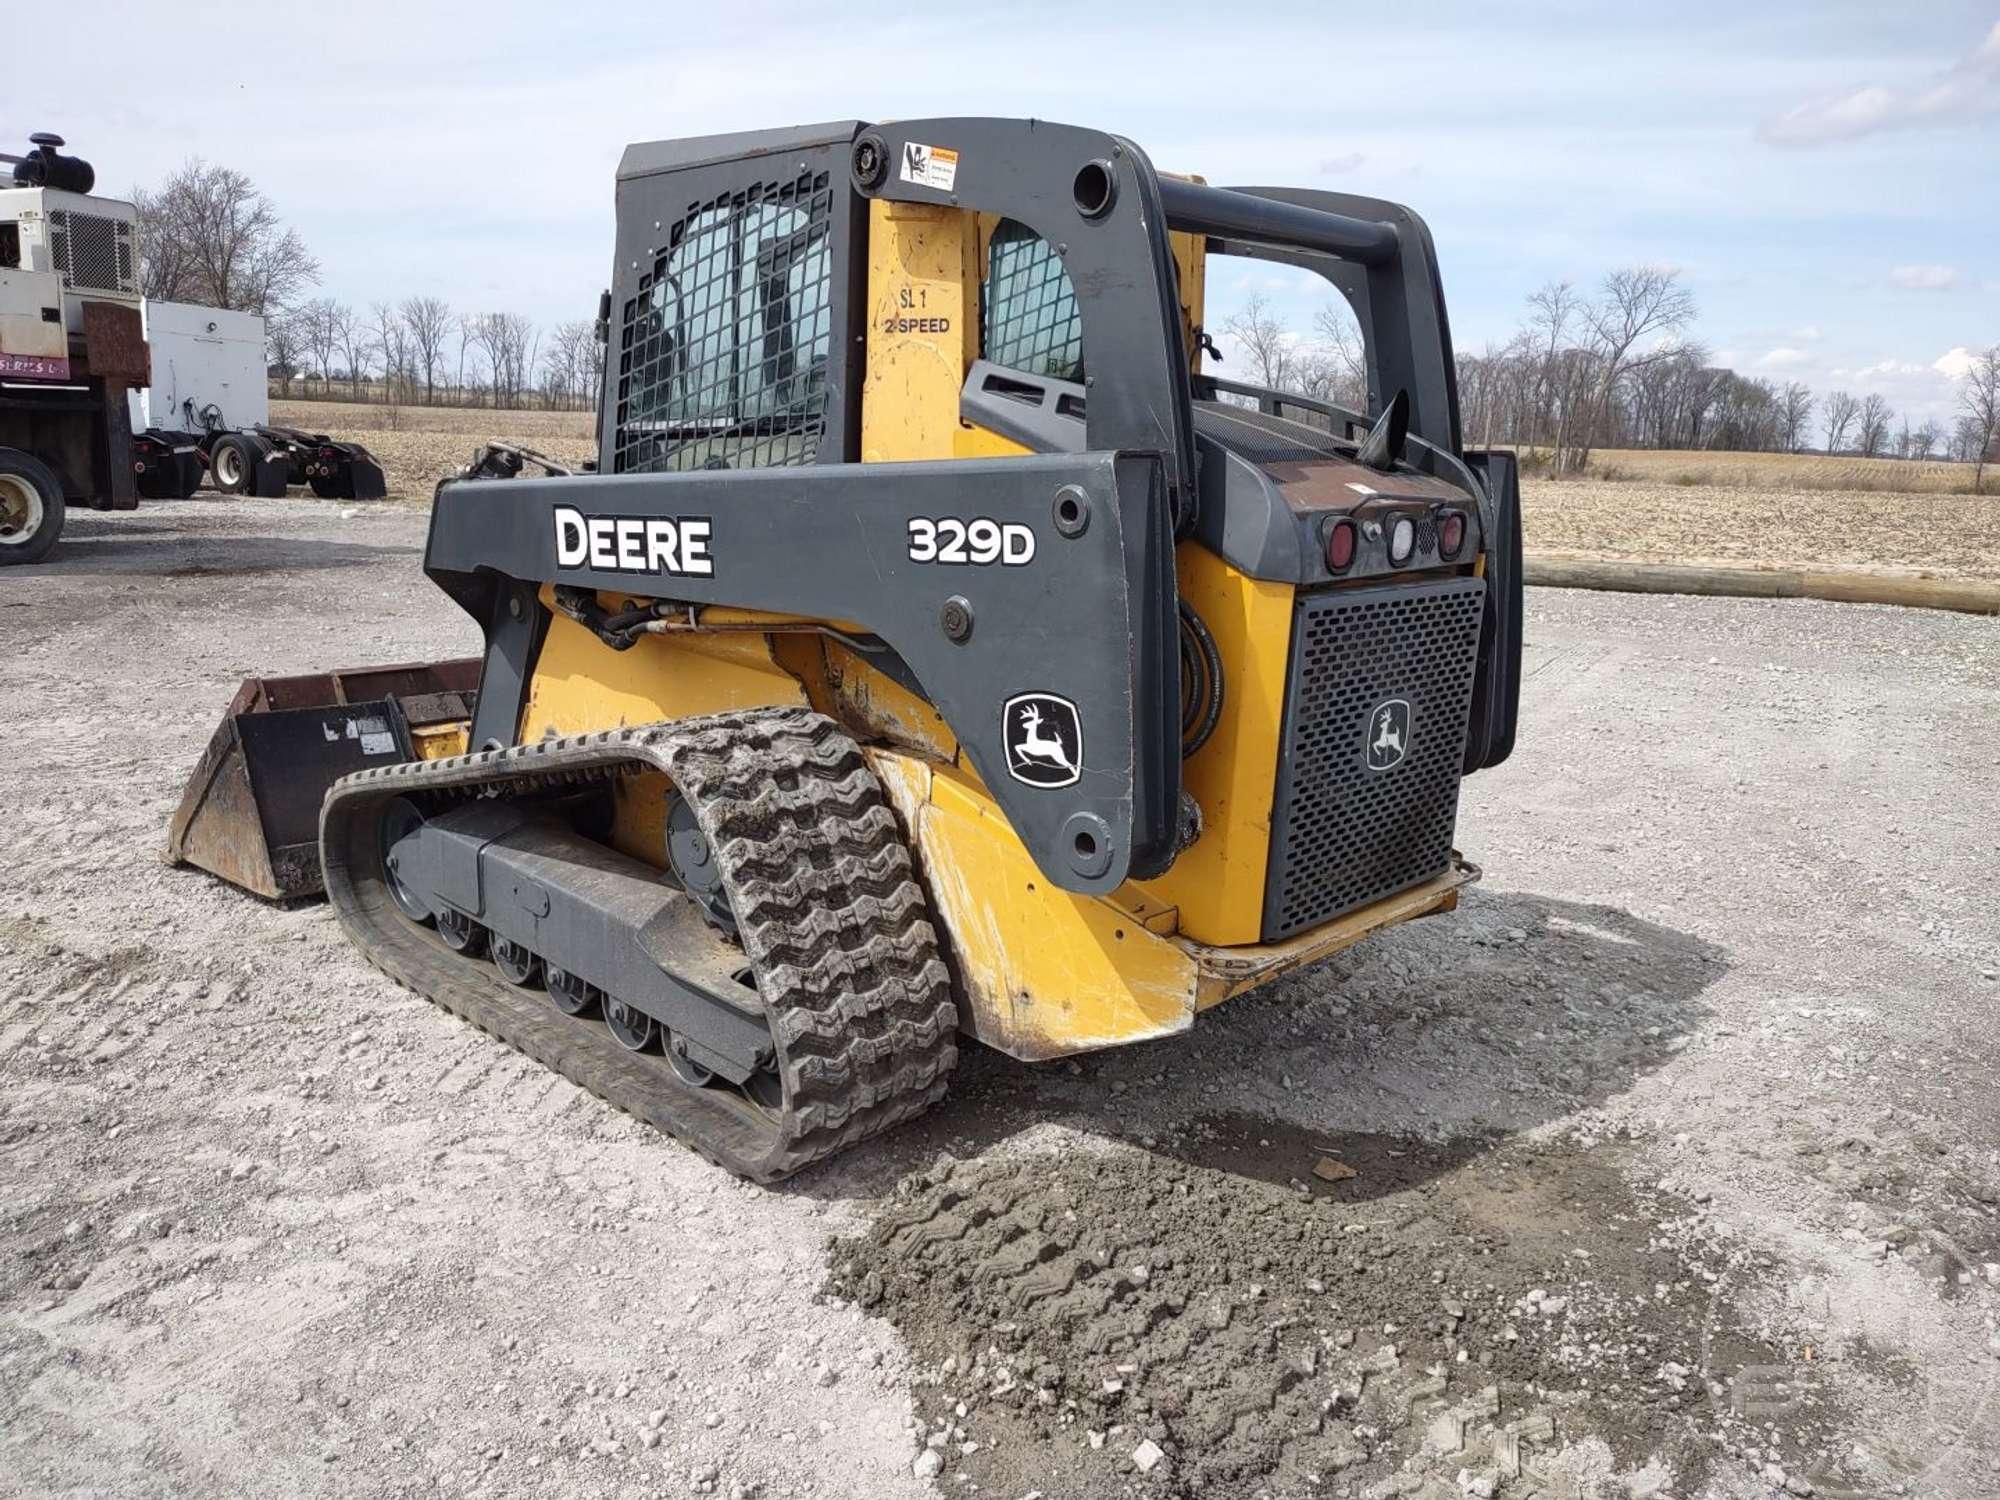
(1783, 471)
(337, 417)
(1949, 536)
(419, 445)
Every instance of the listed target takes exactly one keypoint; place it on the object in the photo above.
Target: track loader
(938, 647)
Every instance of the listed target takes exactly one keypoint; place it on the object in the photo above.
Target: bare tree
(1270, 346)
(1639, 303)
(284, 347)
(1795, 408)
(1339, 358)
(1926, 440)
(1871, 426)
(468, 338)
(391, 341)
(1979, 401)
(1838, 415)
(319, 329)
(352, 335)
(208, 235)
(427, 320)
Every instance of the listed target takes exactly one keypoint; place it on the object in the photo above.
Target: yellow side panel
(581, 684)
(983, 442)
(1218, 885)
(875, 706)
(923, 328)
(1043, 973)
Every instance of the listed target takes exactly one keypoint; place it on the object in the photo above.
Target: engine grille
(93, 253)
(1351, 825)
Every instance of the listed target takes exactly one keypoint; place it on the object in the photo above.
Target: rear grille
(94, 253)
(1349, 827)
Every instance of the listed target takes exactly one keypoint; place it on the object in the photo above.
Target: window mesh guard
(1031, 321)
(723, 351)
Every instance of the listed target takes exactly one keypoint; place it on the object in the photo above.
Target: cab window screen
(723, 353)
(1030, 320)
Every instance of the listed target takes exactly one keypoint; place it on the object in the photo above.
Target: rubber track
(829, 910)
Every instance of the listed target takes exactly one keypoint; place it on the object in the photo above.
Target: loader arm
(1085, 613)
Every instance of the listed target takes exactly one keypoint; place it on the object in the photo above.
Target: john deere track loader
(939, 646)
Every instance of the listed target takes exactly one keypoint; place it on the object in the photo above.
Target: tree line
(1617, 368)
(210, 236)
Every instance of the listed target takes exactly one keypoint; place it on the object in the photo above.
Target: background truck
(208, 412)
(72, 344)
(106, 396)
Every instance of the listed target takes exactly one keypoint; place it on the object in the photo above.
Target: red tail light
(1451, 533)
(1340, 547)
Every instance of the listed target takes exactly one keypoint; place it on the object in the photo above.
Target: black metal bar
(1195, 209)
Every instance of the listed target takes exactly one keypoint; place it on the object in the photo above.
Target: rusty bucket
(250, 812)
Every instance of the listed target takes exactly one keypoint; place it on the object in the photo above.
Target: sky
(1825, 176)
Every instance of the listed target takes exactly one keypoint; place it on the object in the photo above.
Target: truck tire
(232, 464)
(31, 507)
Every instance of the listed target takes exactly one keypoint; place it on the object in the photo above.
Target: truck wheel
(232, 462)
(31, 508)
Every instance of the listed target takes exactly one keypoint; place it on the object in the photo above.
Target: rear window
(1030, 320)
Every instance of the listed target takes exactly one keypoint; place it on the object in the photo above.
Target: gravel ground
(1674, 1154)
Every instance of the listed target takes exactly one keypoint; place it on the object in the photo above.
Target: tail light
(1451, 533)
(1340, 539)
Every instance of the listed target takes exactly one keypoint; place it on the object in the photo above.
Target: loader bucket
(250, 812)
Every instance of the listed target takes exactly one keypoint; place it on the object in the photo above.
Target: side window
(723, 354)
(1029, 317)
(10, 247)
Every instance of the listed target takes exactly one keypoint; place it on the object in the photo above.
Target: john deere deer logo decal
(1044, 737)
(1388, 734)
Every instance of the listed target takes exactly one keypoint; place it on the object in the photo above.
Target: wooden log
(1970, 596)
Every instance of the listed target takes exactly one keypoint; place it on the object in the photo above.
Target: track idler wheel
(572, 996)
(400, 820)
(632, 1029)
(516, 964)
(460, 933)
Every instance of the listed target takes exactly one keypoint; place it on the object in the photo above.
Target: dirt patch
(1470, 1317)
(1737, 525)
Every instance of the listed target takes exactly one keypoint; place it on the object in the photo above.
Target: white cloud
(1968, 88)
(1954, 364)
(1926, 278)
(1890, 369)
(1340, 166)
(1809, 334)
(1783, 358)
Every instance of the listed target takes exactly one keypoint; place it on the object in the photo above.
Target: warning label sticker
(930, 166)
